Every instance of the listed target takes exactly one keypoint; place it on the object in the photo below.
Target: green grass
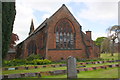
(103, 56)
(33, 70)
(108, 56)
(95, 65)
(101, 73)
(49, 69)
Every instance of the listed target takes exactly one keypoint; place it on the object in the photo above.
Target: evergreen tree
(8, 17)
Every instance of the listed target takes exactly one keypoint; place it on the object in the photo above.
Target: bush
(41, 62)
(14, 62)
(18, 62)
(33, 56)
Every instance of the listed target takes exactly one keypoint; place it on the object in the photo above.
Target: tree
(14, 38)
(105, 45)
(99, 41)
(113, 34)
(8, 17)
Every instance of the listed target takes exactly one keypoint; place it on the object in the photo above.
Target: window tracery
(64, 35)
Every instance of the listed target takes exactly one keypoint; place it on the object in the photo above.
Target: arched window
(31, 48)
(65, 35)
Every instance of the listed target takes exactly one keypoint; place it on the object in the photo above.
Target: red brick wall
(56, 55)
(49, 50)
(39, 39)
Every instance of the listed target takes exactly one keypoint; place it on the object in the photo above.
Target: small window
(62, 58)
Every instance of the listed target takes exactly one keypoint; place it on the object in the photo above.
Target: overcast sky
(94, 15)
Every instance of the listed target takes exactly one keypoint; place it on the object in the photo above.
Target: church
(59, 37)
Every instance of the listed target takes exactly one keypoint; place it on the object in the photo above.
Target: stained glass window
(64, 35)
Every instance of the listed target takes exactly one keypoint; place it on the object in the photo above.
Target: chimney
(88, 33)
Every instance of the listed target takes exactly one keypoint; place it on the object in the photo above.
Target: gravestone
(30, 74)
(71, 67)
(14, 76)
(22, 75)
(35, 67)
(58, 72)
(11, 68)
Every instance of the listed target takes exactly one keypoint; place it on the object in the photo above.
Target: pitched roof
(45, 22)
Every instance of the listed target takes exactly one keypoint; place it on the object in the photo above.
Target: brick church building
(58, 37)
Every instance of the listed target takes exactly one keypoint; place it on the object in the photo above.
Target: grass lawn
(101, 73)
(108, 56)
(33, 70)
(49, 69)
(105, 56)
(89, 74)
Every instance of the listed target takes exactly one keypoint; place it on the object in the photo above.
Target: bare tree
(105, 45)
(113, 34)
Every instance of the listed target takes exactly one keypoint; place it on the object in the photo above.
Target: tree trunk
(112, 52)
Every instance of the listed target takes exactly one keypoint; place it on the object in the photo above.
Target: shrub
(31, 60)
(40, 62)
(14, 62)
(17, 62)
(33, 56)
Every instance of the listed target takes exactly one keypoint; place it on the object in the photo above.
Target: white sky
(94, 15)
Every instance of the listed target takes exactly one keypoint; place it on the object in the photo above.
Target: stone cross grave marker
(71, 67)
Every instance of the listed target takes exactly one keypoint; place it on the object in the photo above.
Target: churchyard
(106, 67)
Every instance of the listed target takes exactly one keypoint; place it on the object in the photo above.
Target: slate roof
(44, 24)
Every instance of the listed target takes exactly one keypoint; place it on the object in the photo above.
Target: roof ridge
(40, 25)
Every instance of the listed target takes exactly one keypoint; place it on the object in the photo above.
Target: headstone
(82, 66)
(102, 67)
(14, 76)
(26, 68)
(87, 63)
(53, 66)
(85, 69)
(94, 68)
(113, 65)
(103, 61)
(22, 75)
(11, 68)
(105, 67)
(117, 65)
(38, 74)
(44, 66)
(30, 74)
(71, 67)
(100, 62)
(96, 62)
(110, 66)
(6, 68)
(5, 76)
(78, 71)
(81, 69)
(61, 65)
(58, 72)
(16, 68)
(35, 67)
